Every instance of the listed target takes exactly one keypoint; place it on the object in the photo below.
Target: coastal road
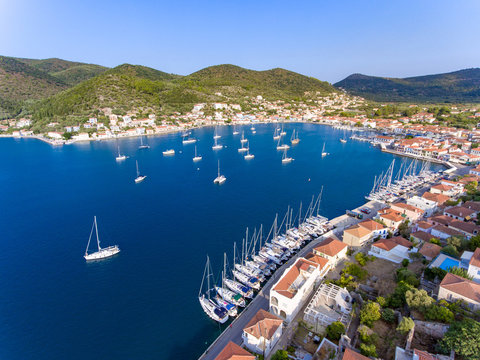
(261, 301)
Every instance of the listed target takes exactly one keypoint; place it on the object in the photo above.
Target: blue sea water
(142, 303)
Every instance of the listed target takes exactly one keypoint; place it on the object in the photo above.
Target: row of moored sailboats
(257, 261)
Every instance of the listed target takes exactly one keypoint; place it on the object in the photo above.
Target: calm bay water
(142, 304)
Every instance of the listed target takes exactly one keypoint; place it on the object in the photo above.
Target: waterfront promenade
(261, 301)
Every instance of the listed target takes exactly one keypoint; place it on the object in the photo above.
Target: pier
(261, 301)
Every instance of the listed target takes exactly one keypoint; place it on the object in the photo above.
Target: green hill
(459, 86)
(142, 89)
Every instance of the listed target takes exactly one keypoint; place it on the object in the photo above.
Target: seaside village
(418, 135)
(400, 282)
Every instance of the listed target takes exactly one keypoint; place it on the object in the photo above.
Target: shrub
(381, 301)
(435, 241)
(439, 313)
(403, 274)
(355, 270)
(432, 273)
(397, 299)
(460, 272)
(368, 350)
(405, 262)
(464, 338)
(405, 325)
(418, 299)
(450, 250)
(361, 259)
(335, 330)
(370, 313)
(388, 315)
(280, 355)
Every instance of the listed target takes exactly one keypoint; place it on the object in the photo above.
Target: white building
(331, 249)
(454, 287)
(290, 292)
(262, 332)
(329, 304)
(428, 206)
(474, 266)
(394, 249)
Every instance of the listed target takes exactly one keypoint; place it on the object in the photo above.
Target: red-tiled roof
(461, 286)
(234, 352)
(330, 246)
(263, 324)
(283, 286)
(460, 211)
(352, 355)
(475, 260)
(430, 250)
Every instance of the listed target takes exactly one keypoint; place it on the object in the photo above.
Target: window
(283, 314)
(274, 300)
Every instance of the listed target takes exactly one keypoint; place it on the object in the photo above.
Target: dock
(261, 301)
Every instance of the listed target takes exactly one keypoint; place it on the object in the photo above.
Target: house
(289, 293)
(262, 332)
(475, 171)
(460, 213)
(423, 226)
(443, 189)
(474, 205)
(421, 236)
(321, 261)
(411, 212)
(375, 227)
(391, 218)
(349, 354)
(430, 251)
(443, 232)
(329, 304)
(332, 249)
(474, 266)
(380, 139)
(454, 287)
(233, 351)
(394, 249)
(440, 219)
(356, 235)
(468, 229)
(439, 199)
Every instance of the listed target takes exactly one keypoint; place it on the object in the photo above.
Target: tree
(370, 313)
(403, 274)
(418, 299)
(464, 338)
(474, 243)
(439, 313)
(335, 330)
(458, 242)
(397, 299)
(381, 301)
(368, 350)
(405, 325)
(280, 355)
(388, 315)
(405, 263)
(460, 272)
(404, 229)
(450, 250)
(435, 241)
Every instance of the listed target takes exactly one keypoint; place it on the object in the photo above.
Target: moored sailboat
(220, 179)
(100, 253)
(196, 157)
(120, 157)
(139, 177)
(323, 151)
(215, 312)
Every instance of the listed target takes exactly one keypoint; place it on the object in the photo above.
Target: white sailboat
(216, 136)
(282, 146)
(235, 131)
(285, 158)
(276, 134)
(323, 151)
(343, 140)
(220, 179)
(228, 295)
(294, 139)
(242, 148)
(187, 139)
(196, 157)
(120, 157)
(100, 253)
(253, 129)
(283, 133)
(243, 140)
(248, 156)
(217, 146)
(213, 311)
(139, 177)
(168, 152)
(142, 145)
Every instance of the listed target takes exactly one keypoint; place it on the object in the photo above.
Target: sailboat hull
(103, 253)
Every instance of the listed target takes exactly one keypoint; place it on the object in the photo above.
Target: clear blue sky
(327, 39)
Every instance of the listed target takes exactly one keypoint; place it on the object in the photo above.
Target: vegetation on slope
(459, 86)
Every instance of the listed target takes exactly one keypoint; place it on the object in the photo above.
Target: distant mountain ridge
(458, 86)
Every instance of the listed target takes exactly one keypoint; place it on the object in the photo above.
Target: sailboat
(139, 177)
(276, 134)
(100, 253)
(213, 311)
(216, 136)
(283, 133)
(343, 140)
(323, 151)
(228, 295)
(120, 157)
(217, 146)
(248, 156)
(242, 148)
(197, 157)
(220, 179)
(285, 158)
(282, 146)
(253, 129)
(168, 152)
(235, 131)
(187, 139)
(142, 145)
(227, 305)
(294, 139)
(243, 140)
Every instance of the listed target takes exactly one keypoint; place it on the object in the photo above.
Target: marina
(161, 247)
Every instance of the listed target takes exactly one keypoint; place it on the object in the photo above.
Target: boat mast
(96, 230)
(88, 244)
(138, 173)
(319, 201)
(218, 168)
(203, 279)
